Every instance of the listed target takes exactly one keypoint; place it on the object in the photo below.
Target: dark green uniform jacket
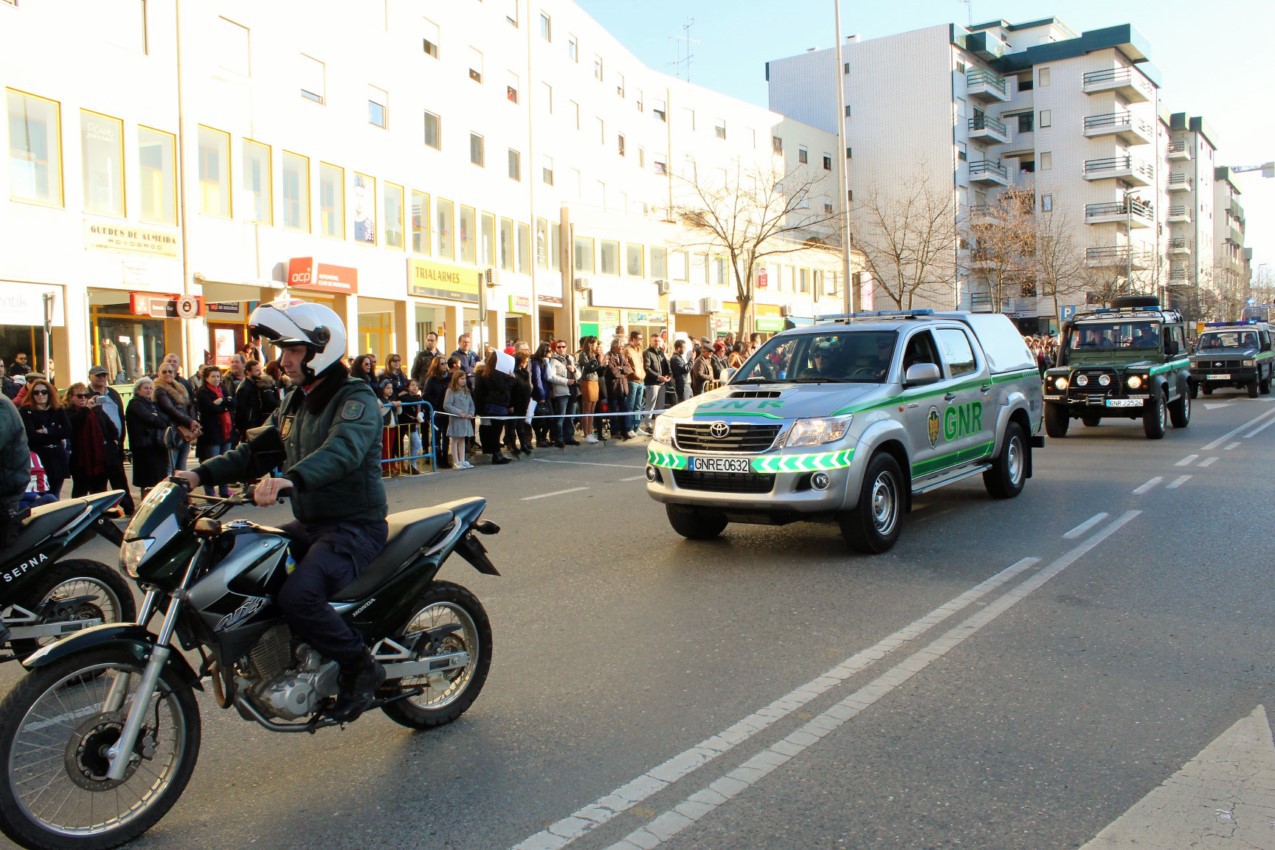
(331, 452)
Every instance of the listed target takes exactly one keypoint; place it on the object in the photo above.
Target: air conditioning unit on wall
(785, 311)
(710, 305)
(662, 287)
(583, 283)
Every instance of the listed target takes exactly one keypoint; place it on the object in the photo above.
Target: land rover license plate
(720, 464)
(1217, 377)
(1124, 402)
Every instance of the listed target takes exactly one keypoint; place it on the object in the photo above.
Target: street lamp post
(853, 299)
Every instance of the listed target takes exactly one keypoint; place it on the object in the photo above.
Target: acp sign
(305, 273)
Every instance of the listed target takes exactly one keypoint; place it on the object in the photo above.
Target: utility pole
(852, 300)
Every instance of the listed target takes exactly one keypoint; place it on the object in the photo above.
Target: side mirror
(726, 375)
(920, 374)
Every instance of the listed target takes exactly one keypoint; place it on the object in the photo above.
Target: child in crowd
(460, 405)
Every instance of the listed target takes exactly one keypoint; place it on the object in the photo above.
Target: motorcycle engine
(284, 684)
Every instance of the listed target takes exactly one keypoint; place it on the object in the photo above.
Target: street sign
(187, 307)
(1066, 312)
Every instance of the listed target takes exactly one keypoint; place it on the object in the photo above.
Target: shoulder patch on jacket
(352, 411)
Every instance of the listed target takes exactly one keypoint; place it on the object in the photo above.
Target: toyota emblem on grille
(719, 430)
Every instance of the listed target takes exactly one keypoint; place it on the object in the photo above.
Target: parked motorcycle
(44, 597)
(98, 741)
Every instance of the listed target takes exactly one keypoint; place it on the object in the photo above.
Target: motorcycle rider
(329, 429)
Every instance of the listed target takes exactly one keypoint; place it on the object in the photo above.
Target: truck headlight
(816, 432)
(664, 428)
(133, 552)
(1250, 362)
(1082, 380)
(1134, 382)
(1104, 380)
(1061, 383)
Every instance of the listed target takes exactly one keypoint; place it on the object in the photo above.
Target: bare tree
(1004, 246)
(755, 215)
(909, 239)
(1060, 261)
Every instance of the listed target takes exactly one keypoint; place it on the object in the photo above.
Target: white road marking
(1260, 428)
(1188, 460)
(1177, 482)
(587, 463)
(1145, 488)
(1249, 424)
(605, 808)
(1085, 526)
(1216, 405)
(635, 478)
(1209, 461)
(1223, 796)
(1231, 446)
(717, 793)
(555, 493)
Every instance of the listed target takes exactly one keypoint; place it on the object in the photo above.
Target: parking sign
(1066, 312)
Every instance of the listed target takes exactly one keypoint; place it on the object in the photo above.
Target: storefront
(448, 303)
(130, 332)
(688, 319)
(22, 314)
(768, 320)
(227, 323)
(517, 318)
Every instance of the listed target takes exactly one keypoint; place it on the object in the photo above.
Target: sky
(1215, 58)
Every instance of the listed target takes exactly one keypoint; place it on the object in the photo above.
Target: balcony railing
(1179, 182)
(1134, 211)
(988, 169)
(1179, 150)
(1119, 166)
(986, 85)
(1122, 124)
(1179, 212)
(1177, 275)
(1179, 246)
(988, 126)
(1126, 80)
(1115, 255)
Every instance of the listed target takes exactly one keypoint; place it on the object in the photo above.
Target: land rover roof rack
(874, 314)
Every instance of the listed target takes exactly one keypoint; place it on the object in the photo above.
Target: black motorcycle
(98, 741)
(42, 596)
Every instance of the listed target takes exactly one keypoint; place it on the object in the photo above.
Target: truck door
(923, 411)
(969, 422)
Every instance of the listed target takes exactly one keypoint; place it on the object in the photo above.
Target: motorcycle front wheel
(446, 695)
(55, 733)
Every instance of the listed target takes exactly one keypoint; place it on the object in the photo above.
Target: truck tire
(1195, 389)
(874, 524)
(1264, 385)
(1180, 411)
(1252, 387)
(1056, 421)
(1155, 416)
(695, 524)
(1008, 474)
(1208, 390)
(1091, 421)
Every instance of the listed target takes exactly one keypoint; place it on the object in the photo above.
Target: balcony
(1179, 183)
(1121, 124)
(1179, 247)
(1126, 82)
(1118, 256)
(981, 214)
(1022, 305)
(985, 45)
(1179, 150)
(1180, 213)
(988, 172)
(1126, 168)
(980, 302)
(988, 129)
(981, 260)
(1133, 212)
(986, 86)
(1178, 275)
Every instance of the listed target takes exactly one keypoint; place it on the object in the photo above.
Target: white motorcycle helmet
(293, 322)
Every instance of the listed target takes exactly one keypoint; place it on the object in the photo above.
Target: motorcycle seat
(409, 532)
(45, 520)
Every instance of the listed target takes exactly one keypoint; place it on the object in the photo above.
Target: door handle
(950, 397)
(986, 388)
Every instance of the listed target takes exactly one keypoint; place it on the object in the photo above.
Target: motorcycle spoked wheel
(54, 735)
(446, 695)
(105, 596)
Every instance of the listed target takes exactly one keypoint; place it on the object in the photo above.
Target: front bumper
(1224, 375)
(1096, 403)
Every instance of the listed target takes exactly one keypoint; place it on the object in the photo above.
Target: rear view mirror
(919, 374)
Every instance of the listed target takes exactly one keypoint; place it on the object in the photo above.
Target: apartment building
(1232, 269)
(1074, 120)
(506, 169)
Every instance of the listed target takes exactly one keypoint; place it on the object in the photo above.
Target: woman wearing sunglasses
(95, 442)
(48, 429)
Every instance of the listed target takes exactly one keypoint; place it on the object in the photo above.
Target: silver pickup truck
(849, 418)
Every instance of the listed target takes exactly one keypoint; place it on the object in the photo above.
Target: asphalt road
(1012, 675)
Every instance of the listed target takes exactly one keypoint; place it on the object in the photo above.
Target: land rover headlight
(1104, 380)
(1250, 362)
(1082, 380)
(816, 432)
(1134, 382)
(1061, 383)
(664, 427)
(133, 552)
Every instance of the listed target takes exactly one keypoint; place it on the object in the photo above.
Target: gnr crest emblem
(932, 426)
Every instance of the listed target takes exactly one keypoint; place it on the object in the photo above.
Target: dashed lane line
(1231, 446)
(1085, 526)
(1260, 428)
(1188, 460)
(589, 463)
(1209, 461)
(554, 493)
(1147, 487)
(1177, 482)
(1249, 424)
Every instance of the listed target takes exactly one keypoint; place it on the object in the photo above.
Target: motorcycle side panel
(234, 601)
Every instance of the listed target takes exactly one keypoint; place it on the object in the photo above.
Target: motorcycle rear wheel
(105, 596)
(446, 695)
(54, 734)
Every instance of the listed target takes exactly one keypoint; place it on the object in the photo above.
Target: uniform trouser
(329, 556)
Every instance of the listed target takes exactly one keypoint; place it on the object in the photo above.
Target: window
(583, 255)
(1046, 203)
(331, 201)
(511, 12)
(1043, 77)
(546, 170)
(803, 155)
(102, 149)
(659, 111)
(661, 167)
(258, 182)
(1027, 166)
(487, 243)
(376, 106)
(575, 111)
(1046, 161)
(214, 172)
(546, 27)
(641, 157)
(689, 115)
(619, 85)
(602, 132)
(719, 128)
(157, 165)
(609, 257)
(231, 47)
(619, 143)
(678, 267)
(555, 247)
(313, 79)
(827, 207)
(1025, 121)
(956, 352)
(524, 249)
(475, 64)
(429, 38)
(476, 152)
(573, 48)
(597, 68)
(659, 262)
(296, 192)
(392, 215)
(776, 144)
(1025, 83)
(1046, 118)
(962, 151)
(633, 256)
(803, 280)
(35, 149)
(827, 162)
(512, 84)
(638, 100)
(718, 271)
(420, 223)
(468, 231)
(542, 243)
(507, 245)
(515, 165)
(547, 91)
(444, 239)
(363, 201)
(433, 131)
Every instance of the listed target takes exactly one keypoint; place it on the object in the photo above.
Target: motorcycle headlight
(1135, 382)
(664, 427)
(133, 552)
(1061, 383)
(1082, 380)
(1104, 380)
(816, 432)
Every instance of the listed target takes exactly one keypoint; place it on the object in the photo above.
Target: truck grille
(698, 437)
(724, 482)
(1093, 392)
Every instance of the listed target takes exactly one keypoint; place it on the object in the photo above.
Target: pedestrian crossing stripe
(821, 462)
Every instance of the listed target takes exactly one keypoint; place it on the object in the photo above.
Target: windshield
(841, 357)
(1222, 340)
(1114, 336)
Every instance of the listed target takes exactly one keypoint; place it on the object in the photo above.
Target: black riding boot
(358, 683)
